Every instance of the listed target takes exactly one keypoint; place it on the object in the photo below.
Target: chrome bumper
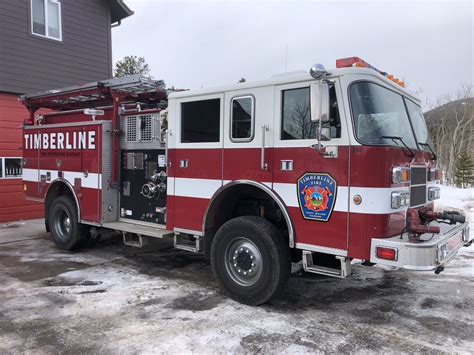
(427, 255)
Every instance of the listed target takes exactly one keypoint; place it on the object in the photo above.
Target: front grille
(417, 195)
(418, 175)
(418, 186)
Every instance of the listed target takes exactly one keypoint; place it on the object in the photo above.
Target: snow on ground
(461, 200)
(115, 299)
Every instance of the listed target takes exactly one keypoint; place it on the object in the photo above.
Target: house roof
(119, 10)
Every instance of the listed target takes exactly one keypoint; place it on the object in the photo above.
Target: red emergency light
(360, 63)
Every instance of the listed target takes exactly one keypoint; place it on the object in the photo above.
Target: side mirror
(320, 102)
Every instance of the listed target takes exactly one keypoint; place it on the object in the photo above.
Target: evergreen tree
(464, 170)
(131, 65)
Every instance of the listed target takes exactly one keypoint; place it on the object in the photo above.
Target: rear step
(309, 266)
(184, 242)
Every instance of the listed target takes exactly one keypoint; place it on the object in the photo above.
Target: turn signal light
(387, 253)
(434, 174)
(400, 175)
(25, 187)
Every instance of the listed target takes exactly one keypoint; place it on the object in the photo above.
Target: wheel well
(58, 188)
(243, 199)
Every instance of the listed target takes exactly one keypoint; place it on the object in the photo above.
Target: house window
(200, 121)
(242, 119)
(296, 115)
(46, 18)
(10, 168)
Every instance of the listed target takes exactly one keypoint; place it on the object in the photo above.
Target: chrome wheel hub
(243, 261)
(63, 225)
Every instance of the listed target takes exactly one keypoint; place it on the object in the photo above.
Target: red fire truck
(322, 167)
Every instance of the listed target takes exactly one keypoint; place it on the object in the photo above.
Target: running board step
(134, 240)
(135, 228)
(309, 266)
(183, 242)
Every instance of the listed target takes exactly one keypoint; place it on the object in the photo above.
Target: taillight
(387, 253)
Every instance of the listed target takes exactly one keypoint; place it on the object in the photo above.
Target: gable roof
(119, 10)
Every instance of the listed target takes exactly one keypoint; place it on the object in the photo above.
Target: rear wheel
(250, 259)
(67, 232)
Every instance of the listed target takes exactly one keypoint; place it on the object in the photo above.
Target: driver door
(313, 186)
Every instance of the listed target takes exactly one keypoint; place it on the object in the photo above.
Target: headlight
(400, 198)
(434, 193)
(400, 175)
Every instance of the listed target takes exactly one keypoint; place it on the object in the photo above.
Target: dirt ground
(113, 298)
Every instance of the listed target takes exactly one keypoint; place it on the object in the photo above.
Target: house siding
(13, 205)
(30, 63)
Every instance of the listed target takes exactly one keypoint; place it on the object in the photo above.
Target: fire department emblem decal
(316, 196)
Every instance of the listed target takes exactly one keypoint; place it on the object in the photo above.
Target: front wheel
(67, 232)
(250, 259)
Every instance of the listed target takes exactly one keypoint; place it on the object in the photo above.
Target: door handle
(183, 163)
(263, 164)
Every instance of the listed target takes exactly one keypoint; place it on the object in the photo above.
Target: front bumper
(437, 250)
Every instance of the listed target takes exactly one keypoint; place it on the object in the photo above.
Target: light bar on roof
(360, 63)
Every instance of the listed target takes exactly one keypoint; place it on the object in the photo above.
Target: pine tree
(131, 65)
(464, 170)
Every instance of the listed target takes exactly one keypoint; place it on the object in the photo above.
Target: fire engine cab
(322, 167)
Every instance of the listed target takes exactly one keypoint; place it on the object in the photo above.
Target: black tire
(236, 244)
(67, 232)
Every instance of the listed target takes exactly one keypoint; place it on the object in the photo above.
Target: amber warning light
(360, 63)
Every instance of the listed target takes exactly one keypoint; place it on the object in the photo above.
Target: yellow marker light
(357, 199)
(390, 77)
(25, 187)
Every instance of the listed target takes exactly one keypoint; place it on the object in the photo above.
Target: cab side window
(295, 115)
(242, 119)
(334, 118)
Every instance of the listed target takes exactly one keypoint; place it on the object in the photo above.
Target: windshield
(419, 125)
(378, 113)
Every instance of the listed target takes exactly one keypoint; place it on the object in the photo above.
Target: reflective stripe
(93, 180)
(375, 200)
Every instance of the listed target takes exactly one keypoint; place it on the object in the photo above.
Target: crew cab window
(200, 121)
(46, 18)
(242, 119)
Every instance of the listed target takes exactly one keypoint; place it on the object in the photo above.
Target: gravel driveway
(114, 298)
